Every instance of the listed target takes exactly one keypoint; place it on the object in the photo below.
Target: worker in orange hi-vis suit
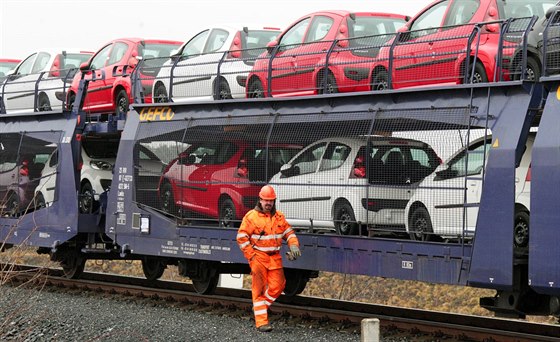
(260, 238)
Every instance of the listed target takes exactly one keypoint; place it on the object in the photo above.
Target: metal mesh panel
(551, 45)
(344, 173)
(35, 92)
(28, 168)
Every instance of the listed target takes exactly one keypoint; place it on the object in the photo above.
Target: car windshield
(5, 67)
(102, 148)
(73, 60)
(256, 41)
(524, 8)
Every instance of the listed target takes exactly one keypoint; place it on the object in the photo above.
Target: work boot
(264, 328)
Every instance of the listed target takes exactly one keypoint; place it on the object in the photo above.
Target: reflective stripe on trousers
(266, 288)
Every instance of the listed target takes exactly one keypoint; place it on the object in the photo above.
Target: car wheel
(330, 86)
(421, 225)
(344, 219)
(532, 73)
(40, 201)
(223, 92)
(380, 80)
(12, 205)
(256, 90)
(479, 75)
(86, 200)
(227, 213)
(160, 94)
(44, 104)
(121, 103)
(521, 230)
(167, 199)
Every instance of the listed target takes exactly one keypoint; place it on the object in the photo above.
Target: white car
(335, 184)
(191, 73)
(50, 71)
(98, 158)
(436, 209)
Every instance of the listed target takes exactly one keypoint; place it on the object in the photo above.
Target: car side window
(294, 36)
(430, 19)
(461, 12)
(100, 58)
(308, 161)
(25, 66)
(195, 46)
(320, 27)
(54, 159)
(469, 163)
(40, 62)
(335, 155)
(216, 40)
(117, 53)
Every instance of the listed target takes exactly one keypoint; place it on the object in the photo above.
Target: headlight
(101, 165)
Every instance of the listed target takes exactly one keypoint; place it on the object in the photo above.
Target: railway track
(413, 324)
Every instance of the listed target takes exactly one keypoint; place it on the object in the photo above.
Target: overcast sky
(31, 25)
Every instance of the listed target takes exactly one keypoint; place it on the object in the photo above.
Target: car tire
(160, 94)
(40, 201)
(167, 200)
(344, 219)
(71, 100)
(380, 80)
(421, 228)
(223, 92)
(227, 213)
(521, 231)
(533, 71)
(44, 104)
(479, 75)
(86, 201)
(12, 205)
(256, 90)
(330, 87)
(121, 103)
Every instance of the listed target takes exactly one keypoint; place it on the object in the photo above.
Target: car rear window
(523, 8)
(156, 50)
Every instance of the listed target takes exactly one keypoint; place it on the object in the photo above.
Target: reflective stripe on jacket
(261, 235)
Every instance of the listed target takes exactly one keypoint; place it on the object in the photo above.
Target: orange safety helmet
(267, 193)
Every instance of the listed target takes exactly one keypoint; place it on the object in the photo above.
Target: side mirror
(84, 66)
(271, 46)
(133, 61)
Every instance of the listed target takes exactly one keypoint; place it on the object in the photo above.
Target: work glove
(294, 253)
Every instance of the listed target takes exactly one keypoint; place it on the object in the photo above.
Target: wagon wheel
(153, 268)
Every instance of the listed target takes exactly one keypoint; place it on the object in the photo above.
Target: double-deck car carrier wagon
(356, 174)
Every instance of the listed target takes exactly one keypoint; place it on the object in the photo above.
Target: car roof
(376, 139)
(137, 40)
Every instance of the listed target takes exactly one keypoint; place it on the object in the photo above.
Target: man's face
(266, 205)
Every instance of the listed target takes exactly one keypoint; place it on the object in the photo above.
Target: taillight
(55, 68)
(528, 176)
(24, 170)
(242, 170)
(359, 168)
(235, 48)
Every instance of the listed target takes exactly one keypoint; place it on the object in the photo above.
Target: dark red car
(220, 179)
(110, 69)
(432, 47)
(340, 39)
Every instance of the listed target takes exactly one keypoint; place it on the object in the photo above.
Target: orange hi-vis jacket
(261, 235)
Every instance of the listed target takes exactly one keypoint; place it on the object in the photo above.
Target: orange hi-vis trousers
(267, 286)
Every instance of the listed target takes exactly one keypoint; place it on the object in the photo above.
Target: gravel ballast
(34, 314)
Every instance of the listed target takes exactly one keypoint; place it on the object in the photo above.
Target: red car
(7, 65)
(432, 47)
(220, 179)
(300, 53)
(110, 88)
